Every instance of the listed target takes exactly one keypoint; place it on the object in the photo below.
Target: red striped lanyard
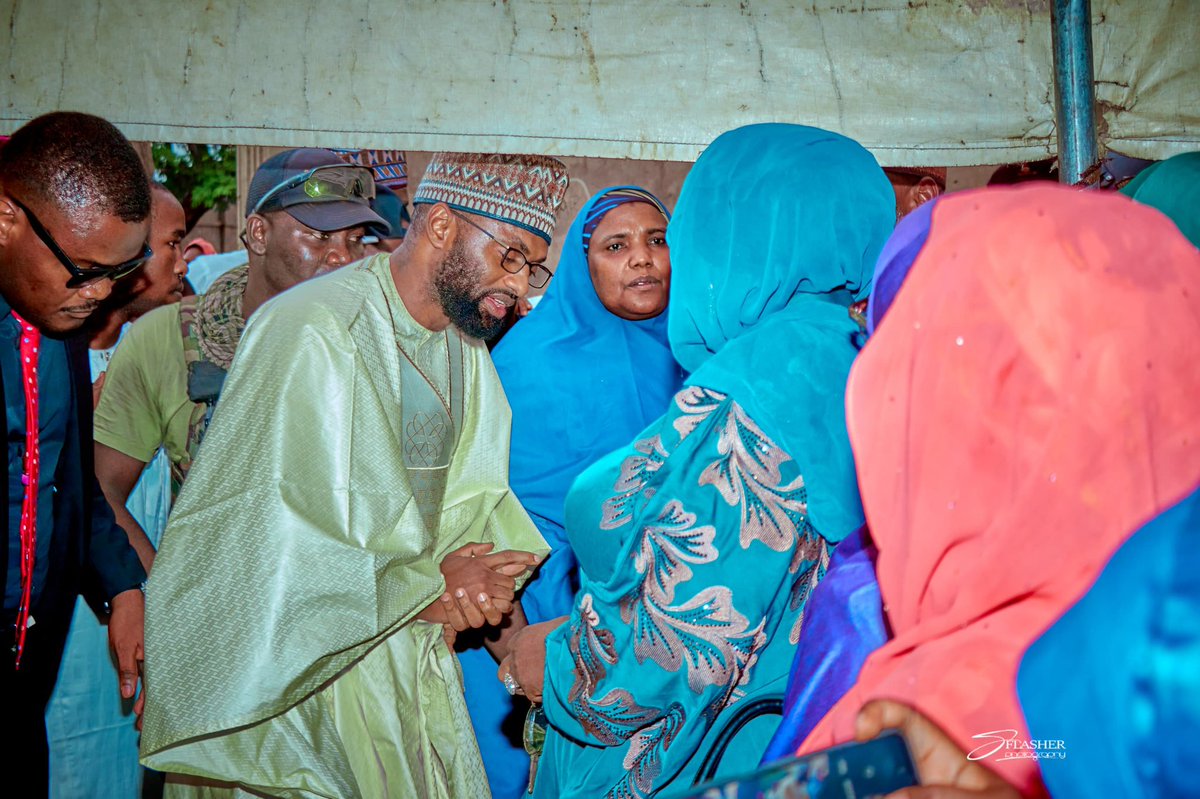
(30, 341)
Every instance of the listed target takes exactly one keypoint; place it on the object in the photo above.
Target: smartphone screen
(850, 771)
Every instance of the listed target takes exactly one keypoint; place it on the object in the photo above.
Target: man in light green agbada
(350, 501)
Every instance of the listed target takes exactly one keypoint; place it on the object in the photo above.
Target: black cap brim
(339, 215)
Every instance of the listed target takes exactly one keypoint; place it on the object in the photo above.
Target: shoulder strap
(204, 380)
(187, 328)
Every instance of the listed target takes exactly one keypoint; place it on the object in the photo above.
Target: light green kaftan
(352, 449)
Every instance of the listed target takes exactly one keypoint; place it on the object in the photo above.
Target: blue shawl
(581, 382)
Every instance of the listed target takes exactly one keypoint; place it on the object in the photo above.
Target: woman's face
(629, 261)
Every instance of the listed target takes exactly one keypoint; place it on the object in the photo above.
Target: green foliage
(202, 176)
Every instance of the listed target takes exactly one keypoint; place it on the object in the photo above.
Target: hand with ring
(510, 684)
(525, 664)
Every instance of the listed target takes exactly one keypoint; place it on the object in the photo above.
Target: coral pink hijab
(1032, 397)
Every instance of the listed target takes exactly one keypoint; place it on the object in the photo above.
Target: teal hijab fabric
(775, 234)
(1173, 187)
(1126, 706)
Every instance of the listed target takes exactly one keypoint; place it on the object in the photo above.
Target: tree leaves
(201, 176)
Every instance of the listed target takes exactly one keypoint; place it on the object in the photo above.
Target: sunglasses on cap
(81, 277)
(324, 184)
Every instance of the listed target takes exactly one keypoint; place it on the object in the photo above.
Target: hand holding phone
(942, 765)
(856, 770)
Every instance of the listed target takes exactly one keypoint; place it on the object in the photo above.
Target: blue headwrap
(581, 382)
(774, 237)
(896, 259)
(610, 199)
(1127, 705)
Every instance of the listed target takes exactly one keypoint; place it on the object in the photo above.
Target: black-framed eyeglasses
(81, 277)
(513, 259)
(324, 184)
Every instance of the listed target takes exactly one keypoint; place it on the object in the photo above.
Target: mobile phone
(873, 768)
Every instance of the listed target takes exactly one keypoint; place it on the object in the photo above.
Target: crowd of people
(767, 473)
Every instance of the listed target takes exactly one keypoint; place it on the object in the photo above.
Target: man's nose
(98, 290)
(518, 282)
(339, 252)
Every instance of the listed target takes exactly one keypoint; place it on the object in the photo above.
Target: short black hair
(76, 163)
(159, 186)
(417, 222)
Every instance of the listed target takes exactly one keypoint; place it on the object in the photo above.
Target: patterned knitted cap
(522, 190)
(390, 167)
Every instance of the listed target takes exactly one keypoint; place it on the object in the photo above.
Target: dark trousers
(25, 693)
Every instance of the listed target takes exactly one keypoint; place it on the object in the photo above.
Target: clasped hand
(480, 586)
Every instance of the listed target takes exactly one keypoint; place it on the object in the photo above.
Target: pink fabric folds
(1032, 398)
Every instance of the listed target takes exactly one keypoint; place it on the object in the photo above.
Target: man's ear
(925, 190)
(257, 234)
(440, 226)
(8, 219)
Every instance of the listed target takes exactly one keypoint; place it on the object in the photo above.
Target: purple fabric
(843, 624)
(895, 260)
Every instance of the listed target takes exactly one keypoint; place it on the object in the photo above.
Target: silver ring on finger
(510, 685)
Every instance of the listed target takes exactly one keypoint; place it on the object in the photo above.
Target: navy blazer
(89, 553)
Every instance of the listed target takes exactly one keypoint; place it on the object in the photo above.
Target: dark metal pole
(1074, 91)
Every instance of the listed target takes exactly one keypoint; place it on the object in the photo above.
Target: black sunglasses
(81, 277)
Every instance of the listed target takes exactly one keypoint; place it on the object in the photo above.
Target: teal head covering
(775, 235)
(1173, 187)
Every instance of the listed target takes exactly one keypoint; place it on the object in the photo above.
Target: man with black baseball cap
(307, 212)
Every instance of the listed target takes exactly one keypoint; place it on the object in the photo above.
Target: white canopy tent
(920, 82)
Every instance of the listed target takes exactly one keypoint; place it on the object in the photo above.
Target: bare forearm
(496, 642)
(137, 536)
(435, 612)
(117, 474)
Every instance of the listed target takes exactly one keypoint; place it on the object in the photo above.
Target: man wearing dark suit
(74, 217)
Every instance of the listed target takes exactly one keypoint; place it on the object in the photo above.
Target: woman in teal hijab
(699, 542)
